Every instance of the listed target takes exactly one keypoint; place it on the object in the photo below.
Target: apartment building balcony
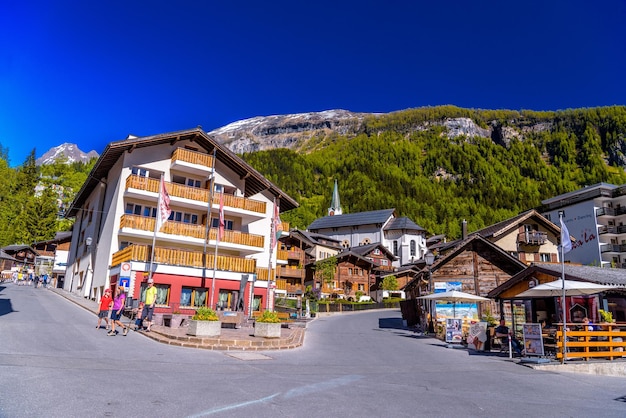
(178, 231)
(606, 211)
(296, 254)
(612, 229)
(192, 162)
(282, 284)
(291, 272)
(137, 186)
(612, 248)
(183, 258)
(281, 255)
(532, 238)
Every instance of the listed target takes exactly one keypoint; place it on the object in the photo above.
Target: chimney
(464, 229)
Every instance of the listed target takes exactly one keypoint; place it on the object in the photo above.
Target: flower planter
(267, 329)
(204, 328)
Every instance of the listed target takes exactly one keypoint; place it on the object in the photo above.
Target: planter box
(267, 329)
(204, 328)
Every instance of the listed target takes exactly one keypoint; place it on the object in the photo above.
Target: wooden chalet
(476, 263)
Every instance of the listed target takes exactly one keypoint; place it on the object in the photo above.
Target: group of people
(113, 308)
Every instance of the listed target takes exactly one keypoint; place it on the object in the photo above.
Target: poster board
(477, 335)
(533, 341)
(454, 330)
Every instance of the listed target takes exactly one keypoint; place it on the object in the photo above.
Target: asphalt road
(54, 363)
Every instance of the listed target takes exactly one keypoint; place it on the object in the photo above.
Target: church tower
(335, 206)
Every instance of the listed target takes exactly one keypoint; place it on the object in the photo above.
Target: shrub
(205, 314)
(268, 316)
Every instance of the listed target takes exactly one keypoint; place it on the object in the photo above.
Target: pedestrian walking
(105, 306)
(116, 313)
(148, 309)
(138, 316)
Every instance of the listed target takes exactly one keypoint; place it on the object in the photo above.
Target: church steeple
(335, 205)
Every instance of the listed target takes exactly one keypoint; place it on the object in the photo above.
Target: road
(54, 363)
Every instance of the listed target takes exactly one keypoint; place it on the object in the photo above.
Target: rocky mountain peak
(70, 152)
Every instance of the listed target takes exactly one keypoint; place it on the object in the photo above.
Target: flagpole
(156, 226)
(269, 306)
(208, 221)
(563, 305)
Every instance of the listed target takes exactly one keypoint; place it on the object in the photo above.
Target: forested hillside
(404, 160)
(438, 181)
(30, 197)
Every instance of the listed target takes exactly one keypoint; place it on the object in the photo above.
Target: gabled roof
(6, 256)
(505, 226)
(600, 275)
(254, 181)
(9, 249)
(352, 219)
(403, 223)
(352, 254)
(368, 248)
(61, 236)
(312, 238)
(496, 255)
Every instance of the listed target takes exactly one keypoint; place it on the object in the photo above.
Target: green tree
(324, 270)
(389, 283)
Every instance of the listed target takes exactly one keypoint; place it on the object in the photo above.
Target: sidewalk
(231, 339)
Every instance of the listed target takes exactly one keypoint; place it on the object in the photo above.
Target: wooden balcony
(291, 272)
(295, 254)
(282, 284)
(193, 157)
(184, 258)
(281, 255)
(532, 238)
(190, 230)
(194, 193)
(261, 274)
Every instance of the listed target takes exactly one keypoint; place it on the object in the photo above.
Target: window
(188, 218)
(545, 257)
(413, 248)
(218, 188)
(361, 286)
(384, 262)
(163, 293)
(193, 297)
(228, 225)
(349, 272)
(227, 299)
(142, 172)
(345, 243)
(395, 248)
(377, 251)
(360, 272)
(140, 210)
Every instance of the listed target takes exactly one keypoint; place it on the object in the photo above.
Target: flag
(566, 242)
(222, 223)
(164, 206)
(277, 226)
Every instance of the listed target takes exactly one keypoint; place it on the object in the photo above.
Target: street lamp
(429, 258)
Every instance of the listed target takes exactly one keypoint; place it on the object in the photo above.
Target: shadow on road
(5, 307)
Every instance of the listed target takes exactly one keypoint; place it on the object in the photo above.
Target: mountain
(293, 131)
(70, 152)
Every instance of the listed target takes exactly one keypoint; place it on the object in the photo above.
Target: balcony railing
(295, 254)
(612, 248)
(193, 157)
(194, 193)
(282, 284)
(175, 257)
(611, 211)
(612, 229)
(292, 272)
(281, 255)
(532, 238)
(261, 274)
(190, 230)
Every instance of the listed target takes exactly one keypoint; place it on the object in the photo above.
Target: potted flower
(267, 325)
(205, 323)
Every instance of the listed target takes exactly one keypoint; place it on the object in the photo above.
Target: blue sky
(91, 72)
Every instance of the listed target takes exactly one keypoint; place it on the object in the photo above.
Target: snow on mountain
(71, 152)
